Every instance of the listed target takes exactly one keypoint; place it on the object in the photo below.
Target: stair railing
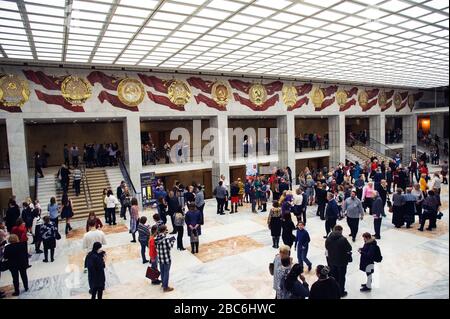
(127, 178)
(85, 185)
(354, 142)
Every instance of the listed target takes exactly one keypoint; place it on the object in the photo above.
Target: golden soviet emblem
(258, 94)
(363, 98)
(382, 99)
(290, 95)
(131, 92)
(341, 97)
(179, 92)
(397, 100)
(76, 90)
(317, 97)
(411, 101)
(13, 91)
(220, 93)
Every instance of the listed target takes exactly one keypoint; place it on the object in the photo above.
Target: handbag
(271, 268)
(152, 273)
(57, 235)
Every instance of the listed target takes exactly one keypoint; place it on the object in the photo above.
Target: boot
(133, 235)
(67, 229)
(264, 208)
(277, 242)
(274, 241)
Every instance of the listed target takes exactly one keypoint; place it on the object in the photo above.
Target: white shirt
(436, 182)
(92, 237)
(298, 199)
(111, 201)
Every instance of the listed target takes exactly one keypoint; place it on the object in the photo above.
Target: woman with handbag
(16, 257)
(194, 221)
(152, 270)
(49, 235)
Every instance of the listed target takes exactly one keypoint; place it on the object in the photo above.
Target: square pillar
(377, 128)
(336, 133)
(221, 155)
(286, 142)
(409, 123)
(20, 180)
(437, 125)
(132, 145)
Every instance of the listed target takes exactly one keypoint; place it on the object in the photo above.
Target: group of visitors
(92, 154)
(394, 136)
(314, 141)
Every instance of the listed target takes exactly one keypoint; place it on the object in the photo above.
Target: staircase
(357, 151)
(90, 198)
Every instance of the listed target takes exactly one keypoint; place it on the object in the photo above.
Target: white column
(409, 136)
(20, 180)
(132, 144)
(377, 132)
(286, 142)
(221, 158)
(336, 133)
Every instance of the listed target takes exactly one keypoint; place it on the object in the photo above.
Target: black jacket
(368, 253)
(321, 196)
(325, 289)
(338, 248)
(11, 217)
(17, 255)
(234, 191)
(96, 270)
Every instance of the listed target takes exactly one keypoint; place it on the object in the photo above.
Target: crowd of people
(348, 191)
(394, 136)
(314, 141)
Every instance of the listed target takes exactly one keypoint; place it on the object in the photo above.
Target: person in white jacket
(111, 202)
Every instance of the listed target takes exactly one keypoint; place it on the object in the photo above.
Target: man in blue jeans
(163, 246)
(301, 245)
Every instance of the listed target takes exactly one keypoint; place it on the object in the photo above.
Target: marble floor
(235, 251)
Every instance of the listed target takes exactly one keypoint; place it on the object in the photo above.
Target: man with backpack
(370, 254)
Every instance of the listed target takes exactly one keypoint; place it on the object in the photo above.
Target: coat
(338, 249)
(274, 222)
(17, 255)
(332, 210)
(96, 270)
(287, 236)
(194, 218)
(21, 232)
(367, 256)
(11, 217)
(378, 207)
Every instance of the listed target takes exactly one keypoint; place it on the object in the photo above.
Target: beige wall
(311, 125)
(55, 135)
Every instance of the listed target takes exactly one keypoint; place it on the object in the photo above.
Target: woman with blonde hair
(310, 189)
(282, 265)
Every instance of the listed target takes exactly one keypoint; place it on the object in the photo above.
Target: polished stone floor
(235, 251)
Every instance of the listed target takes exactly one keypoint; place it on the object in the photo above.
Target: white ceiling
(385, 42)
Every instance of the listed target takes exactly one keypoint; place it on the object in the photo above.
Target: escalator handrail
(124, 170)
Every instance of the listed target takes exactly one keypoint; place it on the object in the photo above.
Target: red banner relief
(330, 90)
(326, 103)
(47, 81)
(202, 85)
(11, 109)
(347, 105)
(402, 106)
(115, 101)
(163, 100)
(303, 101)
(370, 104)
(388, 105)
(373, 93)
(154, 82)
(58, 100)
(108, 82)
(240, 85)
(304, 89)
(201, 98)
(404, 95)
(273, 87)
(353, 91)
(269, 103)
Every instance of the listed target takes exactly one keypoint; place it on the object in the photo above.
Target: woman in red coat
(20, 230)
